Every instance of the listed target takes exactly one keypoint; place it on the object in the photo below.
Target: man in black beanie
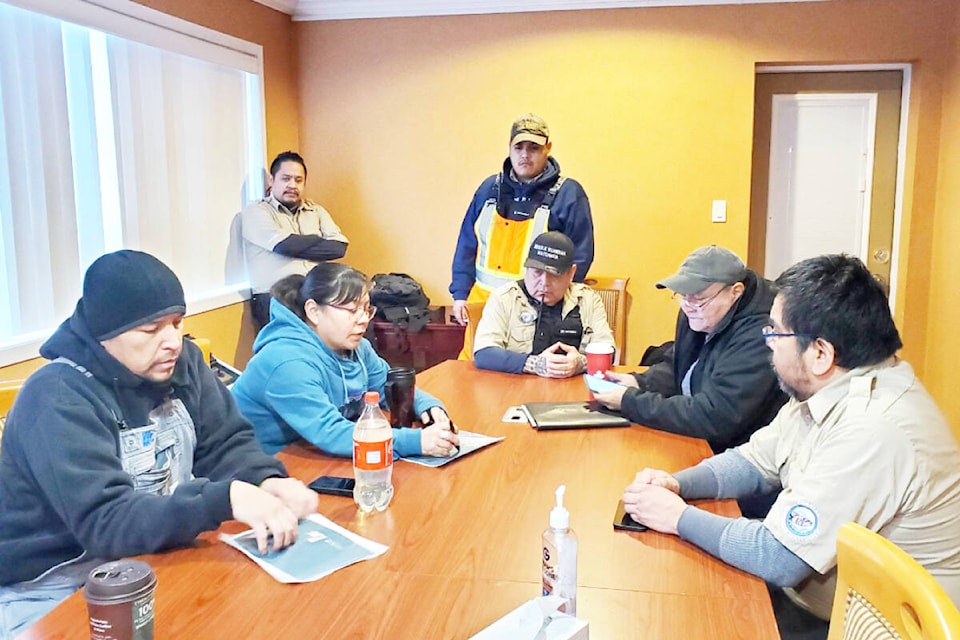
(126, 443)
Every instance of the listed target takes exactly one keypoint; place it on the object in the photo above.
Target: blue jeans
(24, 603)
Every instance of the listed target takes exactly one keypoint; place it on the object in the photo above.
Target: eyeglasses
(367, 310)
(694, 303)
(770, 332)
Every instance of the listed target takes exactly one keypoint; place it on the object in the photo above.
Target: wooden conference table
(465, 543)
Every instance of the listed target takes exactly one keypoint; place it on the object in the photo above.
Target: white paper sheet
(469, 442)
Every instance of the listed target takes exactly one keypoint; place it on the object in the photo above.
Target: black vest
(551, 327)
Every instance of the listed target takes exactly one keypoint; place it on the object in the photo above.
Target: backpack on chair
(400, 300)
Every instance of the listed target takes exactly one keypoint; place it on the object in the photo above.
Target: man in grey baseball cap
(704, 267)
(717, 382)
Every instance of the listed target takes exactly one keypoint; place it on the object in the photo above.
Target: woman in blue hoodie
(312, 365)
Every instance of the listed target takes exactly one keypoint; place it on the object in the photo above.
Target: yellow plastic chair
(204, 344)
(883, 593)
(613, 292)
(8, 392)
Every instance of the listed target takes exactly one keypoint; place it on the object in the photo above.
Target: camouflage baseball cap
(530, 127)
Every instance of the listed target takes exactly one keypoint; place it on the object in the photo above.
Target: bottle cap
(559, 516)
(371, 397)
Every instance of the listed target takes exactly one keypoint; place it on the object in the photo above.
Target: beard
(789, 389)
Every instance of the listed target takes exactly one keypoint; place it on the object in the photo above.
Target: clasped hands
(559, 360)
(653, 499)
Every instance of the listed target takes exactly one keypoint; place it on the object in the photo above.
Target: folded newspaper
(321, 548)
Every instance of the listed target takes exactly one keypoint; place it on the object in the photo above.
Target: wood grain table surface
(464, 542)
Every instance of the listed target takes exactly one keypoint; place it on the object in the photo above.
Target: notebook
(571, 415)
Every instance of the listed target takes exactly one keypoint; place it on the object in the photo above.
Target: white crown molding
(305, 10)
(286, 6)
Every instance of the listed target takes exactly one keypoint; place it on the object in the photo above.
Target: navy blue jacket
(569, 214)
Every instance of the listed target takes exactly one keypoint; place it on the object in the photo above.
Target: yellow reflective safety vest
(502, 244)
(502, 247)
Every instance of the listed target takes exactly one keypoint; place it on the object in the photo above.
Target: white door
(821, 159)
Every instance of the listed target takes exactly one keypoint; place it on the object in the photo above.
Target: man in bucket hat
(718, 385)
(126, 443)
(542, 323)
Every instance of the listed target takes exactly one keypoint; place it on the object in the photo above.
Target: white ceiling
(352, 9)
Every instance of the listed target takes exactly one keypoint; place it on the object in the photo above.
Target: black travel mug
(400, 388)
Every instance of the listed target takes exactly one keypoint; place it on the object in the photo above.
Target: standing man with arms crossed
(718, 385)
(860, 440)
(285, 234)
(126, 444)
(528, 197)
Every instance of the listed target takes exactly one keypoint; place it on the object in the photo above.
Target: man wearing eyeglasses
(860, 440)
(718, 385)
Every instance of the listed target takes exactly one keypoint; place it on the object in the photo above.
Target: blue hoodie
(294, 386)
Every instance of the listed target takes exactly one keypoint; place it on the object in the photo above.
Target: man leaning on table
(860, 440)
(542, 323)
(718, 385)
(125, 444)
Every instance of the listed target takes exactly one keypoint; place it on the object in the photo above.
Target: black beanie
(125, 289)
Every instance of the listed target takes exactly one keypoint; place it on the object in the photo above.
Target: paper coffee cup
(599, 357)
(120, 600)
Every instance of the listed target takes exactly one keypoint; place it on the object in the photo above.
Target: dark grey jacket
(734, 390)
(63, 491)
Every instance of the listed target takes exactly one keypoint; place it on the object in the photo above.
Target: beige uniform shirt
(509, 320)
(873, 448)
(266, 223)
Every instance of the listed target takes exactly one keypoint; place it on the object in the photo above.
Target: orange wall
(943, 340)
(650, 109)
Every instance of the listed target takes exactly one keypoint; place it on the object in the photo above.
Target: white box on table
(537, 619)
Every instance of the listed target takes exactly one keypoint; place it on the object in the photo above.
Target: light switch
(719, 211)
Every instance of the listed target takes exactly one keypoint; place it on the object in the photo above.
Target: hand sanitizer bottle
(560, 556)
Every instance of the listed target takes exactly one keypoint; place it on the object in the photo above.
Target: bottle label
(373, 456)
(549, 569)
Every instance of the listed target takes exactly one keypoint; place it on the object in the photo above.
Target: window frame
(138, 23)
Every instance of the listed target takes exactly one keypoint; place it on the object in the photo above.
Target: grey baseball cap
(702, 268)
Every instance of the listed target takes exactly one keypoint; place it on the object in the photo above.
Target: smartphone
(623, 522)
(333, 485)
(599, 385)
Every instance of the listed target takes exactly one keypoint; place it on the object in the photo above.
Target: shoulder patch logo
(801, 520)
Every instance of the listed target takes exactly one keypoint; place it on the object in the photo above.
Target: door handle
(882, 256)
